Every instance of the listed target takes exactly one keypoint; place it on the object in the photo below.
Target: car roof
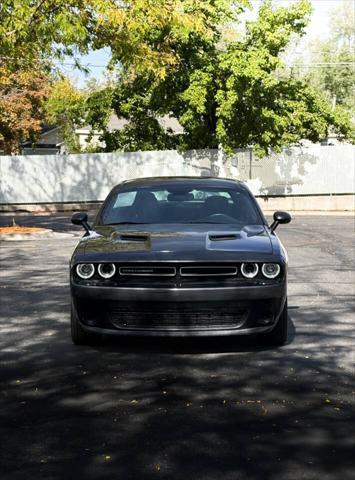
(208, 181)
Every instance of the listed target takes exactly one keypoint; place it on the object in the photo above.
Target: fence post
(250, 163)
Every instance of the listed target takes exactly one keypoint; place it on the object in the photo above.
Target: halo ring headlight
(270, 270)
(106, 270)
(249, 270)
(85, 270)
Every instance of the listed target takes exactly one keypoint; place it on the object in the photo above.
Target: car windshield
(180, 203)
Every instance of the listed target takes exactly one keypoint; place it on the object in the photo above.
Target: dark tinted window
(181, 203)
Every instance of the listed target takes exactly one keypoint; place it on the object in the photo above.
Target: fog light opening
(265, 321)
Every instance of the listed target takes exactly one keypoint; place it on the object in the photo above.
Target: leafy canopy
(21, 106)
(183, 58)
(65, 108)
(140, 33)
(334, 75)
(232, 92)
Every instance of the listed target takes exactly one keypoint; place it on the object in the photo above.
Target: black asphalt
(208, 409)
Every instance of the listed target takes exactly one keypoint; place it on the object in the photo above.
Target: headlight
(85, 270)
(107, 270)
(249, 270)
(270, 270)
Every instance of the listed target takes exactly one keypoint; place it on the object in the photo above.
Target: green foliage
(180, 58)
(98, 108)
(35, 28)
(275, 26)
(342, 23)
(140, 33)
(141, 134)
(232, 93)
(336, 81)
(65, 108)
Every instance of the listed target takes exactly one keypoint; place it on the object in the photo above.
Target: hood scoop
(132, 237)
(220, 237)
(251, 238)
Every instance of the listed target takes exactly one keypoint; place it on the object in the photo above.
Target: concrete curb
(15, 237)
(41, 208)
(322, 213)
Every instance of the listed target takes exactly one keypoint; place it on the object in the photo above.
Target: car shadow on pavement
(217, 408)
(228, 409)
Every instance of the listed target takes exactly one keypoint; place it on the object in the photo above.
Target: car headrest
(216, 203)
(180, 197)
(145, 199)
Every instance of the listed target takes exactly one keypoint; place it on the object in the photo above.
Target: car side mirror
(280, 218)
(81, 218)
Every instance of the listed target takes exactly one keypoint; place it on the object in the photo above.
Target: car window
(125, 199)
(181, 203)
(203, 194)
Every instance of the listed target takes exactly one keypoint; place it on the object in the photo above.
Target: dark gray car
(176, 257)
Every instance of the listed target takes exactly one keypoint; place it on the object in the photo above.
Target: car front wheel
(278, 336)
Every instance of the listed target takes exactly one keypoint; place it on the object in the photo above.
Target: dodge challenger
(179, 256)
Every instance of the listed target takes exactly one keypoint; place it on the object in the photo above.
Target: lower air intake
(175, 317)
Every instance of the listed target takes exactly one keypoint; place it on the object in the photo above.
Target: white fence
(76, 178)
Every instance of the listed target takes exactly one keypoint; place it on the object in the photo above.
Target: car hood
(176, 242)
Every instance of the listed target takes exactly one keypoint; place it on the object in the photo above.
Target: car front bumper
(179, 311)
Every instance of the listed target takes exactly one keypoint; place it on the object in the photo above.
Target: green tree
(232, 92)
(65, 108)
(139, 32)
(336, 58)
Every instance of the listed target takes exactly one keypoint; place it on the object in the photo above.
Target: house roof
(166, 121)
(51, 136)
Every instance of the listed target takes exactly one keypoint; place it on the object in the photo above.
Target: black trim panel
(179, 294)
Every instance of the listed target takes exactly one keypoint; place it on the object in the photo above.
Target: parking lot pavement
(207, 409)
(59, 222)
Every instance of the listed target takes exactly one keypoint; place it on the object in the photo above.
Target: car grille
(183, 271)
(148, 270)
(208, 271)
(170, 316)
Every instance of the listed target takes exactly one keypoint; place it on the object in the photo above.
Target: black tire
(78, 334)
(278, 336)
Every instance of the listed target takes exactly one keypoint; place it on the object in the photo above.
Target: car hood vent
(219, 237)
(130, 237)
